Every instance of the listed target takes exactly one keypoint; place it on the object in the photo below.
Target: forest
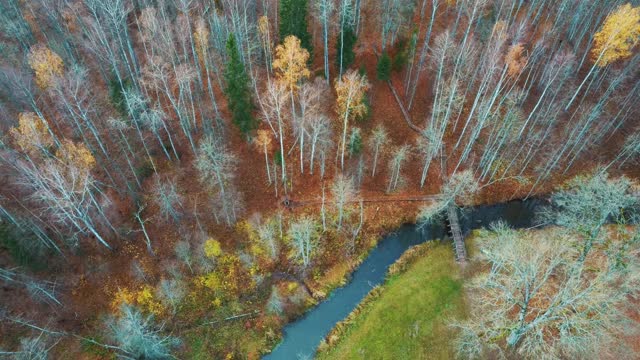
(182, 179)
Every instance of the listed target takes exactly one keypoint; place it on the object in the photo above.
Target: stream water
(302, 337)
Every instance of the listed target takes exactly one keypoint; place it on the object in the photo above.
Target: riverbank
(305, 334)
(407, 316)
(302, 336)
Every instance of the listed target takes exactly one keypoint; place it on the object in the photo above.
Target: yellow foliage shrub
(210, 281)
(146, 301)
(244, 227)
(122, 296)
(212, 248)
(143, 298)
(292, 286)
(257, 250)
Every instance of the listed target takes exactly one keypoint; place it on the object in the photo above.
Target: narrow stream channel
(302, 337)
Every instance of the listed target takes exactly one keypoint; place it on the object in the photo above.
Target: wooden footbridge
(456, 234)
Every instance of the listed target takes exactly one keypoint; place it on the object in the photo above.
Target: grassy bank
(408, 318)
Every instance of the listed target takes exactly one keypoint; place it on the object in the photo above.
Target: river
(302, 337)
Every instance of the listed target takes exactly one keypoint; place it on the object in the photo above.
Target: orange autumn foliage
(76, 154)
(264, 140)
(46, 64)
(31, 134)
(515, 59)
(291, 62)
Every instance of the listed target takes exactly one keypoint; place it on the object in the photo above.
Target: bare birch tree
(377, 142)
(304, 238)
(343, 191)
(217, 165)
(537, 301)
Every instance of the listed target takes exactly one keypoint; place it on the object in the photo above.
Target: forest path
(296, 203)
(405, 113)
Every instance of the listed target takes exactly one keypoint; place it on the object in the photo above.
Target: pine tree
(355, 141)
(293, 21)
(237, 89)
(383, 68)
(344, 46)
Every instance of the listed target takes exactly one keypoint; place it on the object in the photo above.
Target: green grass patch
(409, 318)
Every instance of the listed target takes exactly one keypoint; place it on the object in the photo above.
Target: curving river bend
(302, 337)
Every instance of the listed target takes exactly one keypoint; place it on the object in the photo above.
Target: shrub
(212, 248)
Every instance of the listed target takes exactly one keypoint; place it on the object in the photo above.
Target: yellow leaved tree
(72, 154)
(618, 35)
(67, 190)
(32, 134)
(291, 67)
(350, 90)
(620, 32)
(76, 163)
(291, 62)
(46, 64)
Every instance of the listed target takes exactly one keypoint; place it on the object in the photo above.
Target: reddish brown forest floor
(90, 278)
